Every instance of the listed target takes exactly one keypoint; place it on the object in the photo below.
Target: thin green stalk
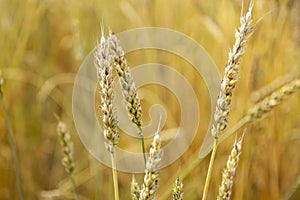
(13, 145)
(209, 172)
(115, 176)
(143, 143)
(74, 186)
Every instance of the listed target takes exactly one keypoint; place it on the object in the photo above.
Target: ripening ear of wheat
(177, 192)
(67, 145)
(228, 84)
(103, 58)
(267, 104)
(135, 189)
(229, 171)
(129, 90)
(150, 184)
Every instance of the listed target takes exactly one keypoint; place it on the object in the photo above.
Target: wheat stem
(228, 85)
(12, 142)
(115, 176)
(209, 171)
(143, 143)
(74, 186)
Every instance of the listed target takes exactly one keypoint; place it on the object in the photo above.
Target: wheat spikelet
(228, 174)
(66, 143)
(150, 184)
(135, 189)
(177, 192)
(103, 57)
(273, 100)
(231, 74)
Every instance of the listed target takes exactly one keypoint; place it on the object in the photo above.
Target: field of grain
(44, 44)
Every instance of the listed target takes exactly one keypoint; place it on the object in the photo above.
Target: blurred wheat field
(44, 43)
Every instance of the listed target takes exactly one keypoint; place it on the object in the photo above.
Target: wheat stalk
(103, 59)
(229, 171)
(129, 90)
(11, 140)
(228, 85)
(67, 161)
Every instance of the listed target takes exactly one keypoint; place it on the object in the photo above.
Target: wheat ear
(228, 85)
(229, 171)
(67, 145)
(129, 90)
(103, 60)
(150, 184)
(177, 192)
(273, 100)
(135, 189)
